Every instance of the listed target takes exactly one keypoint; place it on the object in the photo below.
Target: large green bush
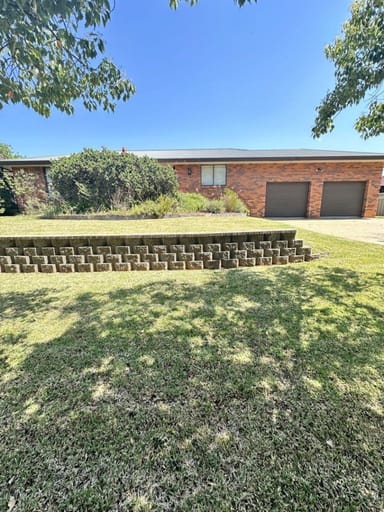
(100, 180)
(8, 200)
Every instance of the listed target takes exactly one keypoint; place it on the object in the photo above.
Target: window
(213, 175)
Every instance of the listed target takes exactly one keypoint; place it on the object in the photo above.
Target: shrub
(8, 201)
(94, 180)
(158, 208)
(191, 202)
(56, 205)
(18, 193)
(214, 206)
(232, 202)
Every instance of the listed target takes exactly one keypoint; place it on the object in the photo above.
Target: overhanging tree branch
(358, 55)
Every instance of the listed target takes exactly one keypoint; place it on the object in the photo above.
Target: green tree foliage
(51, 55)
(8, 201)
(6, 151)
(358, 55)
(94, 180)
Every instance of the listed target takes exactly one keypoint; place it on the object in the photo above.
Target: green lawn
(30, 225)
(248, 390)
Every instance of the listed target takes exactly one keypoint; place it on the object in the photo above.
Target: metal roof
(254, 154)
(228, 154)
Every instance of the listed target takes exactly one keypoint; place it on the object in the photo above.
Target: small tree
(94, 180)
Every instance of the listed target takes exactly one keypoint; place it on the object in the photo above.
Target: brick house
(272, 183)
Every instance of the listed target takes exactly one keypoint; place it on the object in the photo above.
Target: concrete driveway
(364, 230)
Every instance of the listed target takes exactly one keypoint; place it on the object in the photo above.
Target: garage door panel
(342, 199)
(287, 199)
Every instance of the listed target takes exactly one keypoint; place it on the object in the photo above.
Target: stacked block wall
(151, 252)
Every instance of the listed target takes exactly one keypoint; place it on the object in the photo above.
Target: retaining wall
(195, 251)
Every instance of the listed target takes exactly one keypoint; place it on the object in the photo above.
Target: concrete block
(248, 246)
(94, 259)
(167, 256)
(212, 247)
(204, 256)
(58, 260)
(195, 265)
(5, 260)
(299, 250)
(21, 260)
(140, 265)
(67, 268)
(103, 267)
(141, 249)
(85, 250)
(76, 259)
(123, 249)
(12, 251)
(247, 262)
(212, 264)
(311, 257)
(67, 251)
(221, 255)
(150, 257)
(255, 253)
(85, 267)
(231, 246)
(122, 267)
(280, 244)
(265, 245)
(29, 268)
(264, 261)
(287, 251)
(40, 260)
(105, 249)
(296, 258)
(186, 256)
(272, 252)
(230, 263)
(195, 248)
(48, 268)
(239, 254)
(30, 251)
(159, 265)
(280, 260)
(176, 265)
(131, 258)
(12, 269)
(176, 248)
(48, 251)
(113, 258)
(298, 243)
(159, 249)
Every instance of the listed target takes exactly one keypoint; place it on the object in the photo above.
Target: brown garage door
(342, 199)
(286, 199)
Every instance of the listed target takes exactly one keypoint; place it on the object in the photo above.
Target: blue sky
(207, 76)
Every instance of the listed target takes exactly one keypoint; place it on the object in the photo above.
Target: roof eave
(375, 158)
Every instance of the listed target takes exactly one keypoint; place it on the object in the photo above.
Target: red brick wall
(249, 180)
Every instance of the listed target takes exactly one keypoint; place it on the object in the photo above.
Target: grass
(253, 389)
(32, 225)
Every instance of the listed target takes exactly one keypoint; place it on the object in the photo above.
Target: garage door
(342, 199)
(286, 199)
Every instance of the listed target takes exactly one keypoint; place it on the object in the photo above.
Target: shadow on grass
(253, 391)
